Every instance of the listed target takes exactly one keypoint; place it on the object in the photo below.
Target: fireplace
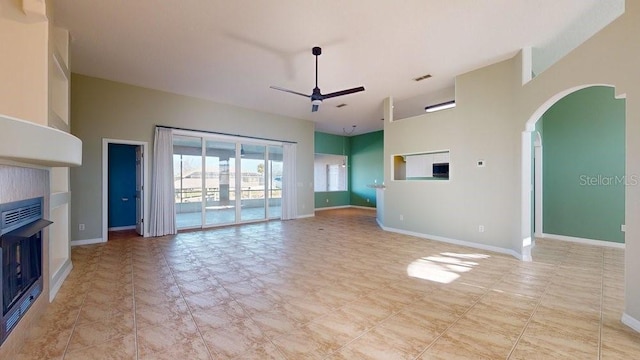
(20, 259)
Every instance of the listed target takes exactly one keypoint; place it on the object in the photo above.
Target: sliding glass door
(226, 181)
(252, 182)
(187, 176)
(220, 163)
(274, 186)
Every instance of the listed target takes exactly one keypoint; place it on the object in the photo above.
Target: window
(330, 172)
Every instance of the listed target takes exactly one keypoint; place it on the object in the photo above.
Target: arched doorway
(530, 143)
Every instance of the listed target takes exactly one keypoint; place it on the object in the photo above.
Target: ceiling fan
(316, 96)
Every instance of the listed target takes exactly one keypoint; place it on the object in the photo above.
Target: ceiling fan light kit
(316, 96)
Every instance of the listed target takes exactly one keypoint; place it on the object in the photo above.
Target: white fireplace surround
(38, 145)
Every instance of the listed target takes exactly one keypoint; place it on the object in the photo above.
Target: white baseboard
(362, 207)
(87, 242)
(56, 282)
(631, 322)
(332, 207)
(119, 228)
(305, 216)
(583, 241)
(455, 241)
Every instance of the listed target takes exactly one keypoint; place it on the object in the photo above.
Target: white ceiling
(231, 51)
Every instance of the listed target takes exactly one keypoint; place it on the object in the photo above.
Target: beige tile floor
(333, 287)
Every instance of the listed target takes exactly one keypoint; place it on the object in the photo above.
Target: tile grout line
(75, 322)
(133, 295)
(487, 289)
(601, 308)
(209, 351)
(369, 329)
(535, 309)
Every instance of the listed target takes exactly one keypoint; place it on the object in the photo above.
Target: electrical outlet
(481, 228)
(623, 227)
(367, 200)
(327, 201)
(401, 217)
(81, 227)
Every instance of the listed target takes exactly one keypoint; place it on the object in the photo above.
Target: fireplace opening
(20, 259)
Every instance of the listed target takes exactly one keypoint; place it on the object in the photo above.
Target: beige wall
(492, 114)
(475, 130)
(105, 109)
(23, 75)
(610, 57)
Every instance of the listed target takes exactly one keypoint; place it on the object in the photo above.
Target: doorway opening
(124, 183)
(584, 147)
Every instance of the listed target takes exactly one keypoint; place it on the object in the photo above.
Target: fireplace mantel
(30, 143)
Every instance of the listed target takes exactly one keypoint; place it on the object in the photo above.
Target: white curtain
(289, 184)
(163, 206)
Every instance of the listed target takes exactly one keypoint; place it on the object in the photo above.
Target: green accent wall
(334, 145)
(366, 165)
(584, 166)
(331, 144)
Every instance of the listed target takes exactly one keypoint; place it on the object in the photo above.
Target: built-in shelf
(57, 199)
(60, 197)
(56, 122)
(58, 60)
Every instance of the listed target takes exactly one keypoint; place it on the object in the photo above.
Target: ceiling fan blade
(289, 91)
(314, 108)
(343, 92)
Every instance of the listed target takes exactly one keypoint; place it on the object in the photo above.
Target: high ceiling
(231, 51)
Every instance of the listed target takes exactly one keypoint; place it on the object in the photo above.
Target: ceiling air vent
(423, 77)
(341, 105)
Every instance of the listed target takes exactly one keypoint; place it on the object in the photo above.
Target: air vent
(423, 77)
(341, 105)
(22, 214)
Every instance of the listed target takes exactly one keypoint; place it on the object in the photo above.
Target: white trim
(578, 240)
(537, 183)
(631, 322)
(61, 276)
(118, 228)
(87, 242)
(332, 207)
(105, 184)
(304, 216)
(363, 207)
(455, 241)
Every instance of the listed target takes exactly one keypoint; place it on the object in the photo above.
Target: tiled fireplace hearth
(21, 226)
(20, 183)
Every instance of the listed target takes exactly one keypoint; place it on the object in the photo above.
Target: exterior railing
(213, 194)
